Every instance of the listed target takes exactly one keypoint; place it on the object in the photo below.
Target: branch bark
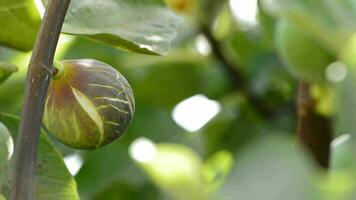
(37, 82)
(314, 130)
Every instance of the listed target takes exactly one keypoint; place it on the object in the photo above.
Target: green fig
(89, 104)
(303, 56)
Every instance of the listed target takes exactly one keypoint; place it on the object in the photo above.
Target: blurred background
(216, 117)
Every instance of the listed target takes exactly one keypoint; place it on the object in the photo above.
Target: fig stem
(37, 82)
(55, 71)
(58, 70)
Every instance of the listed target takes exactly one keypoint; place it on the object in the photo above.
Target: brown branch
(232, 70)
(314, 130)
(234, 73)
(38, 78)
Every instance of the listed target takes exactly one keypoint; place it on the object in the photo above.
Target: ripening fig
(89, 104)
(304, 57)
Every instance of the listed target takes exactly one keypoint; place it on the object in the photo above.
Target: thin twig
(314, 130)
(38, 78)
(234, 73)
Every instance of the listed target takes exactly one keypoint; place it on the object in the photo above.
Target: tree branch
(37, 82)
(314, 130)
(236, 77)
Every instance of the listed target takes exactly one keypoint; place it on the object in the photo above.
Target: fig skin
(89, 104)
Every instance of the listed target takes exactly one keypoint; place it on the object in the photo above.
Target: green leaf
(6, 70)
(216, 169)
(6, 149)
(19, 24)
(176, 169)
(144, 26)
(270, 169)
(53, 181)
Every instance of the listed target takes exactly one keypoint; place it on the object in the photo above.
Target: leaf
(53, 181)
(176, 169)
(216, 169)
(270, 169)
(143, 26)
(6, 70)
(6, 149)
(19, 24)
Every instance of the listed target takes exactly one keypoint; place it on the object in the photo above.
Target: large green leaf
(53, 181)
(6, 148)
(19, 23)
(144, 26)
(6, 70)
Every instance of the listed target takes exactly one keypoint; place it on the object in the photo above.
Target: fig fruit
(304, 57)
(89, 104)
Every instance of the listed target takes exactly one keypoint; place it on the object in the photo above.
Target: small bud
(89, 104)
